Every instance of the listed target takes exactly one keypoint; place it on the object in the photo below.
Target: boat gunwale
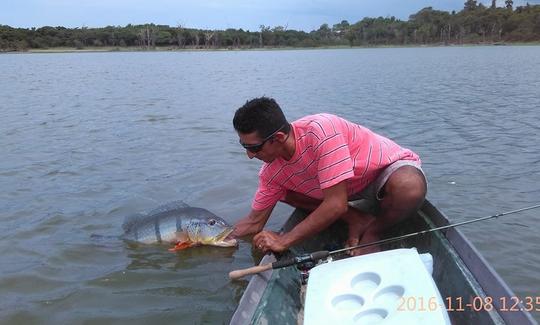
(486, 276)
(253, 294)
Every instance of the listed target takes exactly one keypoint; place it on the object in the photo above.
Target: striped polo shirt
(329, 149)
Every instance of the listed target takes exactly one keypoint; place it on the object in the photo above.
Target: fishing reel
(304, 263)
(306, 266)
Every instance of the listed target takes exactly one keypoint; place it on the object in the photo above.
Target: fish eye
(211, 222)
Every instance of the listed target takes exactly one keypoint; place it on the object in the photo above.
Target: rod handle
(237, 274)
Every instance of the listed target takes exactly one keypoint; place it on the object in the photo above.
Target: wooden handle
(237, 274)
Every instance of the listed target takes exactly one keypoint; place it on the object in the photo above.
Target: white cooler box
(390, 287)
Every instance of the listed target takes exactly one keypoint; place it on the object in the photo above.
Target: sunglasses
(254, 148)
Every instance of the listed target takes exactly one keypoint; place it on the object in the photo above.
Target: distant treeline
(476, 23)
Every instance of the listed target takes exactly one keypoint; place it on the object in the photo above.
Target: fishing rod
(319, 255)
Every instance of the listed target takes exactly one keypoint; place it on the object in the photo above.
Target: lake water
(88, 138)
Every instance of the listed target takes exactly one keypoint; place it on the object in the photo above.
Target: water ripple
(94, 139)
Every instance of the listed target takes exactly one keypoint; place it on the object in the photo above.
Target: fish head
(212, 230)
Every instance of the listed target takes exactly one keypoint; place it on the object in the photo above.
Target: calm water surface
(86, 139)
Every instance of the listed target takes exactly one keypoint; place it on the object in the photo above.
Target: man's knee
(407, 184)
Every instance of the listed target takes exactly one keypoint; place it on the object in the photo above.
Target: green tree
(475, 23)
(470, 5)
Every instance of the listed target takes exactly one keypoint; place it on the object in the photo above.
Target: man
(319, 163)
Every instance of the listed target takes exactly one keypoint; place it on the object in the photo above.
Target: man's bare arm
(332, 208)
(252, 223)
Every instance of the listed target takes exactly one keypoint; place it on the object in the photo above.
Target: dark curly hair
(262, 115)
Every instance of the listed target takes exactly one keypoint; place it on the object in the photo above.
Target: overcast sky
(213, 14)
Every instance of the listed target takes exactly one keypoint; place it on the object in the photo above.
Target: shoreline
(108, 49)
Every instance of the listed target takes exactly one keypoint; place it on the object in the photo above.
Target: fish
(179, 224)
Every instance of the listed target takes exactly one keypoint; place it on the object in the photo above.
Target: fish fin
(169, 207)
(131, 220)
(180, 246)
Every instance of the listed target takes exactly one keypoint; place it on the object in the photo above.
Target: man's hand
(269, 241)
